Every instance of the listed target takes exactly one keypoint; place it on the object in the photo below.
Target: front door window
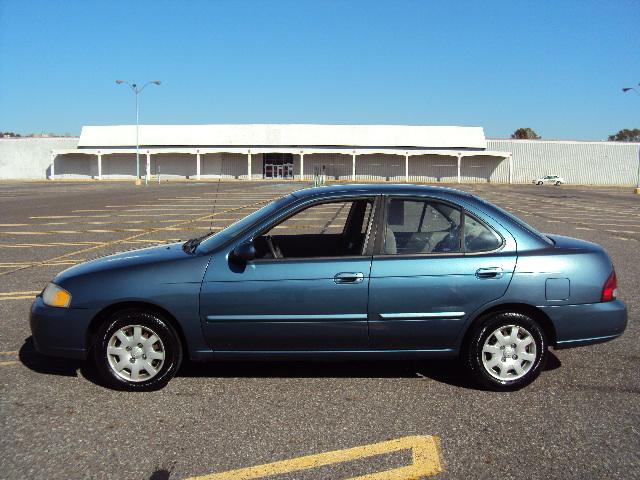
(325, 230)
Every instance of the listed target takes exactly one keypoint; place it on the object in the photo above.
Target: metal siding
(433, 169)
(77, 166)
(257, 165)
(484, 169)
(234, 165)
(170, 165)
(379, 167)
(337, 166)
(582, 163)
(121, 166)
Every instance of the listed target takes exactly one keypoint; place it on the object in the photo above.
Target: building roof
(291, 135)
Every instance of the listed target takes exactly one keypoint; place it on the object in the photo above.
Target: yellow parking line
(10, 362)
(131, 237)
(22, 297)
(14, 224)
(51, 217)
(12, 352)
(34, 292)
(425, 461)
(22, 264)
(53, 244)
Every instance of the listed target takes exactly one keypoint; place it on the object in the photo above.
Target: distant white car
(552, 179)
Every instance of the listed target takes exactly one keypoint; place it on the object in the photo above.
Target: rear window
(523, 224)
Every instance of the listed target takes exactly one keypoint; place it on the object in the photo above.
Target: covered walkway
(392, 153)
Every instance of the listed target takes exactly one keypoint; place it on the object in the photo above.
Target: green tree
(525, 133)
(626, 135)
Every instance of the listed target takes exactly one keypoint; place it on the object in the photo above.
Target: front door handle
(349, 277)
(491, 272)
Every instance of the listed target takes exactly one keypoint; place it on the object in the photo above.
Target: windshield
(241, 225)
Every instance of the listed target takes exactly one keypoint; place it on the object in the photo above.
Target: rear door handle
(491, 272)
(348, 277)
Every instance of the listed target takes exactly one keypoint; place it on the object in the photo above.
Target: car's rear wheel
(137, 350)
(506, 351)
(539, 183)
(557, 183)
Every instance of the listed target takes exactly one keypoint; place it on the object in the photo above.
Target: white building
(343, 152)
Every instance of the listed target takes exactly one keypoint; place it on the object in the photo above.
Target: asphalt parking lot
(580, 419)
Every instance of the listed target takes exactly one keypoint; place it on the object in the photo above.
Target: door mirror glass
(246, 251)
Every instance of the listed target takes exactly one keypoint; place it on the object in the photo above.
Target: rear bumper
(60, 332)
(585, 324)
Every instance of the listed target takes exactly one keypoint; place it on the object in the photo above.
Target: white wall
(603, 163)
(29, 158)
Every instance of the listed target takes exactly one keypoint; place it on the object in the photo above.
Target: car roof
(378, 189)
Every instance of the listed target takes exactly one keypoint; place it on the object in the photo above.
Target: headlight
(55, 296)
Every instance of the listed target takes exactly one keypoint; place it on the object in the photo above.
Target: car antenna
(215, 200)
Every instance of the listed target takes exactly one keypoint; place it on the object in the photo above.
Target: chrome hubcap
(509, 352)
(135, 353)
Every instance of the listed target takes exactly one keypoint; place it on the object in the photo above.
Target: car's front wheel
(137, 350)
(557, 184)
(506, 351)
(539, 183)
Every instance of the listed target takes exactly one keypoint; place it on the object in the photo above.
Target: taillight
(610, 289)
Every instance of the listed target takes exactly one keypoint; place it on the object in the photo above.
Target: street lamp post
(137, 90)
(626, 90)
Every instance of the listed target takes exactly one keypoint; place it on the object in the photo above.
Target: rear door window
(421, 226)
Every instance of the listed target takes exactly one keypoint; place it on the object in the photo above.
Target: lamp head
(157, 82)
(119, 82)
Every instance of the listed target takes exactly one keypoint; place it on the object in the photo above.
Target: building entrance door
(278, 165)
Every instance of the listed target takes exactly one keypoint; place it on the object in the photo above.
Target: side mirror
(246, 251)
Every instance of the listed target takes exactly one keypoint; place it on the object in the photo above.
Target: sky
(555, 66)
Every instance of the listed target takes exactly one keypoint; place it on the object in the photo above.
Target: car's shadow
(450, 372)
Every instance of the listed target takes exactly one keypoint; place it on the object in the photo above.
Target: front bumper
(60, 332)
(585, 324)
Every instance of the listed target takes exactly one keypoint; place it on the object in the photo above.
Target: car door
(313, 297)
(435, 264)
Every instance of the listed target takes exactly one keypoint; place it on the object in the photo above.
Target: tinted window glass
(415, 226)
(324, 230)
(328, 218)
(477, 237)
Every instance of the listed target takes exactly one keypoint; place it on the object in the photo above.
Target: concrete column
(301, 165)
(52, 175)
(459, 162)
(99, 166)
(249, 165)
(197, 164)
(353, 167)
(148, 166)
(406, 168)
(510, 168)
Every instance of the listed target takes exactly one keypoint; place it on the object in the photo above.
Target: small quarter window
(478, 237)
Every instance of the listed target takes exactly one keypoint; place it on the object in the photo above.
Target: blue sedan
(341, 272)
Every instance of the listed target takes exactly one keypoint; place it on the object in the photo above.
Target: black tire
(539, 183)
(171, 344)
(557, 184)
(484, 328)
